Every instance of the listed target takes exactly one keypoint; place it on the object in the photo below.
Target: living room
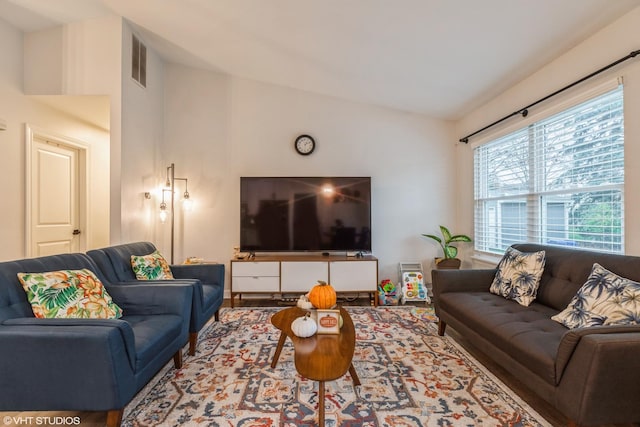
(216, 127)
(197, 120)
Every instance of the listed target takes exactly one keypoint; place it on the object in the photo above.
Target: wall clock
(305, 144)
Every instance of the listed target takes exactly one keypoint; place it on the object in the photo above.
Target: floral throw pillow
(75, 294)
(518, 276)
(151, 267)
(604, 299)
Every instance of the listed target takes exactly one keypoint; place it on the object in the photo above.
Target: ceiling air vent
(139, 61)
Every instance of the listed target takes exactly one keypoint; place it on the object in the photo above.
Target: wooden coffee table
(320, 357)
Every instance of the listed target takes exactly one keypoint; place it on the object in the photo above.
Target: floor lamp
(170, 183)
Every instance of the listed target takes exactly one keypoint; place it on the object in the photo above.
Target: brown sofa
(592, 375)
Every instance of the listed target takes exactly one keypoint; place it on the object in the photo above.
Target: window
(558, 181)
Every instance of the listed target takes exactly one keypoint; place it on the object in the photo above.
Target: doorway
(56, 202)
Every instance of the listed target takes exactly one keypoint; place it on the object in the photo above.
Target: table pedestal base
(339, 347)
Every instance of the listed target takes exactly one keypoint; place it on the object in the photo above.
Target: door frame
(84, 155)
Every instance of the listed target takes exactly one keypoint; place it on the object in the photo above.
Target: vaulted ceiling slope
(442, 58)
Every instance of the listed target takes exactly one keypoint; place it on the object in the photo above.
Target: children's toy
(413, 286)
(388, 294)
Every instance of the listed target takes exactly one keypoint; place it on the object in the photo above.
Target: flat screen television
(282, 214)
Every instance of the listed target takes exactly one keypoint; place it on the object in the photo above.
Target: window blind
(557, 181)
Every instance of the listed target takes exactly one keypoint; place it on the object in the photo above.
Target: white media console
(297, 274)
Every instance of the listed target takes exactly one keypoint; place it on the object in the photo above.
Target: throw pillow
(518, 276)
(151, 267)
(604, 299)
(76, 294)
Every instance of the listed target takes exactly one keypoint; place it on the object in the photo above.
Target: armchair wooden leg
(193, 343)
(114, 417)
(442, 325)
(177, 359)
(217, 315)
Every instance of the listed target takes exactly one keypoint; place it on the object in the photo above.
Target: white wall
(197, 128)
(219, 128)
(43, 51)
(142, 138)
(93, 66)
(18, 109)
(604, 47)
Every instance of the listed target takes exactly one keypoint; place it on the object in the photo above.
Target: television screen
(305, 214)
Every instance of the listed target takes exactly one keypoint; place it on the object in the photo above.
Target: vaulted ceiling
(442, 58)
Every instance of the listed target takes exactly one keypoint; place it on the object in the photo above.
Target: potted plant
(449, 261)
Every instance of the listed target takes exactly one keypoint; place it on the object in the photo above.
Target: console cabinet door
(255, 277)
(353, 276)
(301, 276)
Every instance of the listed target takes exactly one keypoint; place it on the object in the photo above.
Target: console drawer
(256, 284)
(256, 269)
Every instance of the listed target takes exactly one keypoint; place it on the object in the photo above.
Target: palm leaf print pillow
(76, 294)
(518, 276)
(151, 267)
(604, 299)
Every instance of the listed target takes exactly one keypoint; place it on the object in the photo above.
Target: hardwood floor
(97, 419)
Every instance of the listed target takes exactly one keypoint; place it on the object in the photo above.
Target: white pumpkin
(304, 327)
(304, 303)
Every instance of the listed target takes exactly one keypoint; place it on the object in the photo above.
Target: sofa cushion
(151, 267)
(210, 294)
(604, 299)
(153, 334)
(68, 294)
(527, 334)
(518, 276)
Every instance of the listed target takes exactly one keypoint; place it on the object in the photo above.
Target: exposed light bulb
(163, 212)
(187, 203)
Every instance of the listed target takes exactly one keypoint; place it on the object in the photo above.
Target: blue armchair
(86, 364)
(207, 281)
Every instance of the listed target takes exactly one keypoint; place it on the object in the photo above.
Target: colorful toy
(413, 287)
(387, 293)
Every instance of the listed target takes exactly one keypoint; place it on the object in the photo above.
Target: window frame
(537, 220)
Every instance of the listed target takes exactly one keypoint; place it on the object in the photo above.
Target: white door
(54, 198)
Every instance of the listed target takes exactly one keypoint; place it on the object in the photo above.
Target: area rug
(410, 377)
(425, 313)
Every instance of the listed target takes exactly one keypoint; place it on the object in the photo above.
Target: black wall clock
(305, 144)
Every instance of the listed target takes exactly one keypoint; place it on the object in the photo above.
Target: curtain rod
(525, 110)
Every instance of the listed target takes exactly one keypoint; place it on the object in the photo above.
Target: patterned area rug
(410, 377)
(425, 313)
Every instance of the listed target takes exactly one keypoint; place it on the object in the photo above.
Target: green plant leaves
(450, 251)
(431, 236)
(446, 234)
(459, 238)
(446, 240)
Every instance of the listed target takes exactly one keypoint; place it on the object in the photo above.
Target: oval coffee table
(320, 357)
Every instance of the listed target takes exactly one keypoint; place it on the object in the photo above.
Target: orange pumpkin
(322, 295)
